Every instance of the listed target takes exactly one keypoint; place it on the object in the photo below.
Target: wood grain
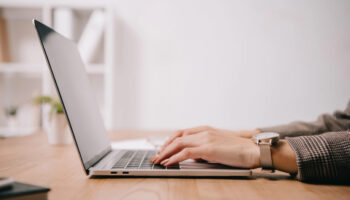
(30, 159)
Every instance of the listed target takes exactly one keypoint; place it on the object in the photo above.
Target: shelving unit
(100, 70)
(31, 68)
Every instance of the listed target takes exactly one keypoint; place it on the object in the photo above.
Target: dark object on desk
(21, 191)
(5, 182)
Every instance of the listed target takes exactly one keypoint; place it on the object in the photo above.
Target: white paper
(149, 143)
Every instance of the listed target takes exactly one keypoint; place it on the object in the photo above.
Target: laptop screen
(79, 102)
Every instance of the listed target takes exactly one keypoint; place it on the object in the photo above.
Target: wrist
(283, 157)
(255, 156)
(249, 133)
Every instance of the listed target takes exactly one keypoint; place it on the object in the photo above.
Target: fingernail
(164, 161)
(157, 161)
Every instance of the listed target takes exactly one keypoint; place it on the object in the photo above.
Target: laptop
(97, 156)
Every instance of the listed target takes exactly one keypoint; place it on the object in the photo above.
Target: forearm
(320, 158)
(283, 156)
(323, 158)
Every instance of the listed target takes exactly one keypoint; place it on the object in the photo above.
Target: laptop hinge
(105, 155)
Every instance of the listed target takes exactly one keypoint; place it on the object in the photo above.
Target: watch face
(267, 135)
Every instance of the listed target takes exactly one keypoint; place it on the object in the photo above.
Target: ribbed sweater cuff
(314, 158)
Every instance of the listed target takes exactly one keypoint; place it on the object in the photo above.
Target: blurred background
(162, 64)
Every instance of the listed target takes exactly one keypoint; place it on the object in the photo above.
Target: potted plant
(11, 115)
(58, 132)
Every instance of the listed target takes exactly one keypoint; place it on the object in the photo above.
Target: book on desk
(21, 191)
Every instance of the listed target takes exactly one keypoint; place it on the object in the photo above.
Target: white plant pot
(59, 132)
(12, 122)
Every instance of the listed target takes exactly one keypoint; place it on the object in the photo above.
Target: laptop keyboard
(140, 160)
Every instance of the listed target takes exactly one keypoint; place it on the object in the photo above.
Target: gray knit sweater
(322, 147)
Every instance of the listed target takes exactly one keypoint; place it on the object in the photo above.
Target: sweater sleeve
(322, 158)
(338, 121)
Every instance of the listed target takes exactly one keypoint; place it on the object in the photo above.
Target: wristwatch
(265, 141)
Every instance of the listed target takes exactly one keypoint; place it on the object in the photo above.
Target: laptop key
(123, 160)
(136, 160)
(174, 166)
(158, 167)
(146, 163)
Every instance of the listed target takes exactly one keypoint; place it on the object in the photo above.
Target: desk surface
(31, 159)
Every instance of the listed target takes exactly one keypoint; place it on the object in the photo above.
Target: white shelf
(44, 10)
(20, 68)
(32, 68)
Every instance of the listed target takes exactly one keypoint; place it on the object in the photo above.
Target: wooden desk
(30, 159)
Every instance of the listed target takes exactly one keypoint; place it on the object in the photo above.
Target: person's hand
(212, 145)
(195, 130)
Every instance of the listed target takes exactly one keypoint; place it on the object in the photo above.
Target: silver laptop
(86, 124)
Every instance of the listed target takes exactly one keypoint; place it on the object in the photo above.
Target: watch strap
(265, 157)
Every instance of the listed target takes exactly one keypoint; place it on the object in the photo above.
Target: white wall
(231, 64)
(228, 63)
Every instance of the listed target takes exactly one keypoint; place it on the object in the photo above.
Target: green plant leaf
(56, 106)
